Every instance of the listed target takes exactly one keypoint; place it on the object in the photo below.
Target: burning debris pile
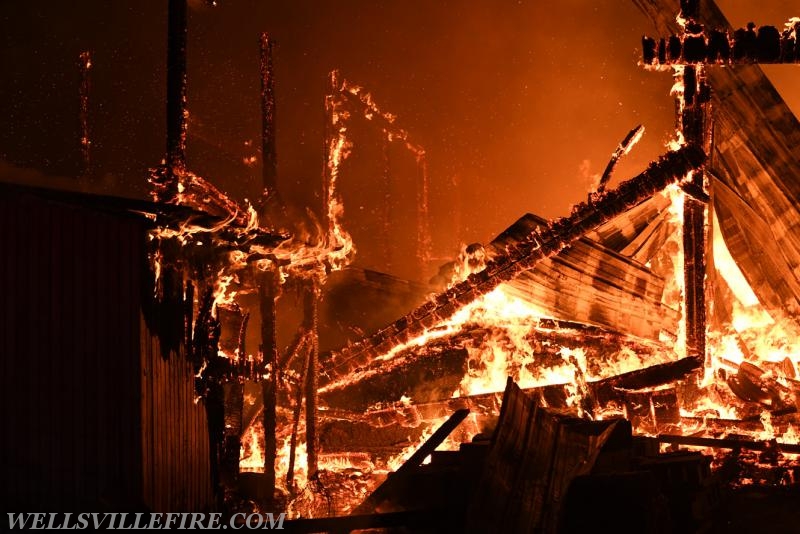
(669, 301)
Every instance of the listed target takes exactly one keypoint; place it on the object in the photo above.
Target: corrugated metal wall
(93, 417)
(175, 444)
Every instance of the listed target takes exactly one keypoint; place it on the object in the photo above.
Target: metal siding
(78, 365)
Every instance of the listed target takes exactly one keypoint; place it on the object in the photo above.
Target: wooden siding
(590, 283)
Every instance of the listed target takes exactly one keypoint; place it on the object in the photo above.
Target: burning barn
(194, 352)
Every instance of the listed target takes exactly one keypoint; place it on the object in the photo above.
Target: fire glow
(748, 372)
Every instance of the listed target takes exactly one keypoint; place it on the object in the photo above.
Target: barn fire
(631, 366)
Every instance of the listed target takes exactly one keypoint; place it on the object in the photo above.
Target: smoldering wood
(538, 246)
(781, 420)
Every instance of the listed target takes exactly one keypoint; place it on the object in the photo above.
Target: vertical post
(311, 323)
(695, 123)
(84, 65)
(330, 140)
(268, 292)
(177, 20)
(269, 152)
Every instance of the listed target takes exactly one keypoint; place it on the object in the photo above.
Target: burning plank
(537, 247)
(590, 283)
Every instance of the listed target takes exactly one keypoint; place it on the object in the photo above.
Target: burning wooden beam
(538, 246)
(624, 147)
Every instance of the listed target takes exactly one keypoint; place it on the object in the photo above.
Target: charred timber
(176, 93)
(695, 125)
(537, 246)
(268, 293)
(749, 45)
(624, 147)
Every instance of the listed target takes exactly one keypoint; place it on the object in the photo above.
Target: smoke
(586, 176)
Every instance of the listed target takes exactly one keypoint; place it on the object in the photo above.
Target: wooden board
(534, 455)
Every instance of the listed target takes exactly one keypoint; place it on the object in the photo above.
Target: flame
(252, 450)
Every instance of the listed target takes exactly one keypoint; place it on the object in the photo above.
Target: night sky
(518, 104)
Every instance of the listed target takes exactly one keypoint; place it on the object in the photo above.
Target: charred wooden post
(269, 290)
(177, 22)
(295, 426)
(311, 323)
(85, 66)
(537, 246)
(272, 204)
(234, 408)
(695, 123)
